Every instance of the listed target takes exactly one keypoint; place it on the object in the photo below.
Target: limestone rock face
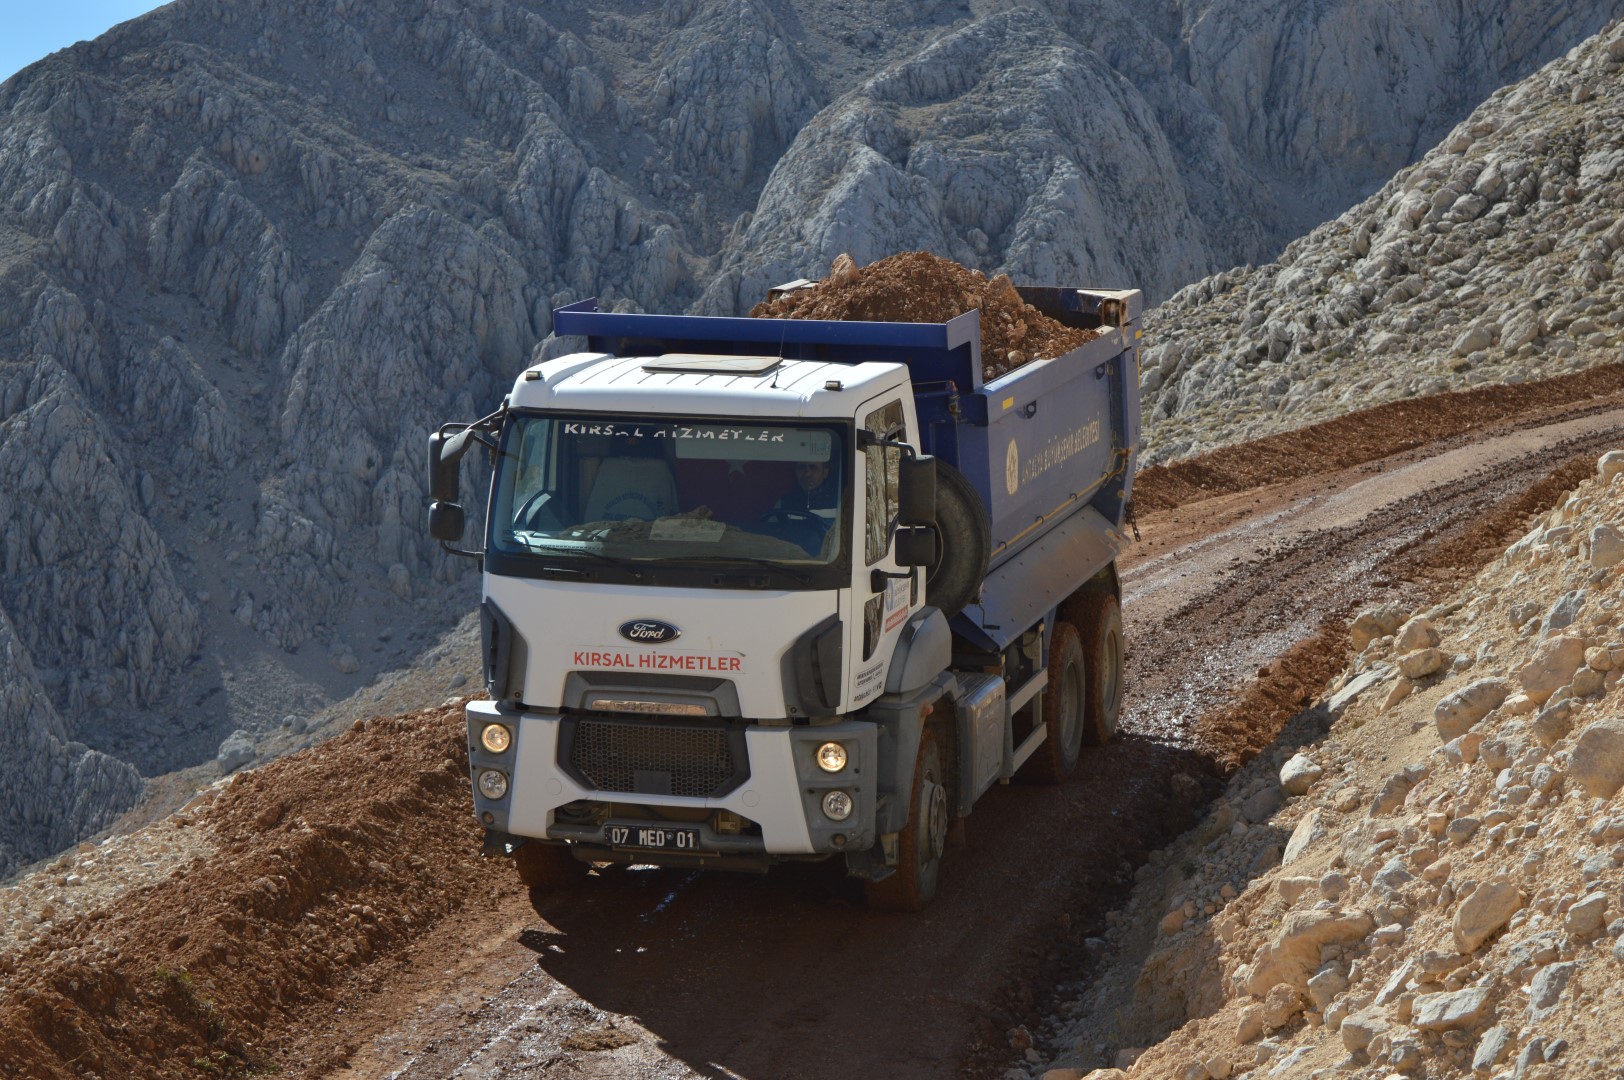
(1491, 259)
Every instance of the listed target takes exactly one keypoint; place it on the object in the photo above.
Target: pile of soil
(327, 859)
(916, 286)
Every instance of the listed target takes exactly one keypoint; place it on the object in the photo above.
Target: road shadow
(788, 975)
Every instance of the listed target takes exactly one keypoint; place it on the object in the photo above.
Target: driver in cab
(814, 492)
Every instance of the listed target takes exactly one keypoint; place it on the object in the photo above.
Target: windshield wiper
(619, 564)
(766, 564)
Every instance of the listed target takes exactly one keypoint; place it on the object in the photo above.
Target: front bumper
(778, 788)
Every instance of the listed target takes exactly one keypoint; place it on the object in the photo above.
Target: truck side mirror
(445, 461)
(446, 521)
(917, 546)
(917, 492)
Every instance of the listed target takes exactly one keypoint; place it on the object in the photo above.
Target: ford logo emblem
(649, 631)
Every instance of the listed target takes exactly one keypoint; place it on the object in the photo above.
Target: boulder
(1294, 955)
(1469, 1008)
(1308, 831)
(1552, 667)
(1392, 795)
(1598, 758)
(1482, 914)
(1361, 1029)
(1421, 663)
(1551, 724)
(1609, 465)
(1492, 1048)
(1325, 986)
(1562, 613)
(1457, 712)
(1606, 547)
(236, 751)
(1373, 623)
(1281, 1005)
(1586, 917)
(1546, 990)
(1299, 774)
(1474, 340)
(1418, 633)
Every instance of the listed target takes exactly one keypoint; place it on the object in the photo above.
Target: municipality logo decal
(649, 631)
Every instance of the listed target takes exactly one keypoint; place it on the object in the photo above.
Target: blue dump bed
(1049, 446)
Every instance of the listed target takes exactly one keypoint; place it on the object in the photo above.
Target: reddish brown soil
(1351, 440)
(330, 859)
(917, 286)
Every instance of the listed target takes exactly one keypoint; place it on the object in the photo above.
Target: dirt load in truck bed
(916, 286)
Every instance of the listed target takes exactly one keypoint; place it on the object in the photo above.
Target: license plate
(652, 838)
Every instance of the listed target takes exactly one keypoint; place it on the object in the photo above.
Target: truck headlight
(837, 806)
(496, 738)
(492, 784)
(831, 757)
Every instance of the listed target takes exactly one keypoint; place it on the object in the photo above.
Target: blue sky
(33, 29)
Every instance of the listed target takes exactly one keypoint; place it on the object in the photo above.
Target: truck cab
(709, 634)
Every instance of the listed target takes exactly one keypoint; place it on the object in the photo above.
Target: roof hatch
(699, 363)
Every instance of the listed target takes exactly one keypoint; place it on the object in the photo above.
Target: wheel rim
(1111, 677)
(935, 823)
(1071, 711)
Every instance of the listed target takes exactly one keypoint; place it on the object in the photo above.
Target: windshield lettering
(676, 431)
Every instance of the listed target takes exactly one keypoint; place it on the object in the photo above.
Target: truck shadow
(788, 975)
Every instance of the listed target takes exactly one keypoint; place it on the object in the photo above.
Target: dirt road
(658, 973)
(346, 930)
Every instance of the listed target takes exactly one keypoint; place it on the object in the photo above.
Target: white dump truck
(765, 590)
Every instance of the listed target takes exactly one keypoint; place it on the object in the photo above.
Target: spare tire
(963, 543)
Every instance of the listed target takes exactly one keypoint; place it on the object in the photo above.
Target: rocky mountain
(252, 252)
(1495, 258)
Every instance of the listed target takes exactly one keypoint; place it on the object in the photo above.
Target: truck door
(882, 614)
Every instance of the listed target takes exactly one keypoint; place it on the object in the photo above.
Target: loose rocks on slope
(916, 286)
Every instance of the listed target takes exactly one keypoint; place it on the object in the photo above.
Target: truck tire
(963, 543)
(548, 868)
(923, 839)
(1099, 615)
(1064, 709)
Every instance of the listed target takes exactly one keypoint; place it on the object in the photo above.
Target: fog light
(831, 757)
(728, 823)
(496, 738)
(493, 785)
(837, 806)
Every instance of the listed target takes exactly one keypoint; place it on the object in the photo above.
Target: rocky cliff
(252, 251)
(1492, 259)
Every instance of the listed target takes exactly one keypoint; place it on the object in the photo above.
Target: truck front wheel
(923, 839)
(548, 867)
(1063, 709)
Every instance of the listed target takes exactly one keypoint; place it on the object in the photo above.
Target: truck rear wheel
(1100, 617)
(1064, 709)
(963, 543)
(923, 839)
(548, 867)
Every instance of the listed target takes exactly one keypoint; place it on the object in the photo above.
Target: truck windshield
(681, 502)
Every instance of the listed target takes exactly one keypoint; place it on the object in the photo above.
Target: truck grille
(645, 757)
